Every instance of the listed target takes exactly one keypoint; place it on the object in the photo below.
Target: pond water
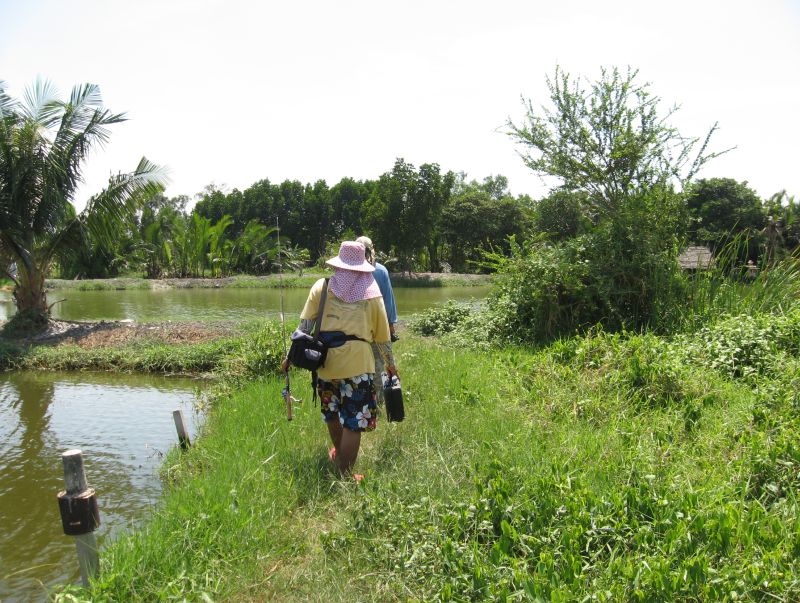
(122, 423)
(215, 304)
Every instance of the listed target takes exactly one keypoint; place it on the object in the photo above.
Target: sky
(229, 92)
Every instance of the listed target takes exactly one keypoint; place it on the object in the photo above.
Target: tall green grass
(609, 467)
(727, 289)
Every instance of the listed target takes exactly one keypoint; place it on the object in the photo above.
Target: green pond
(215, 304)
(123, 424)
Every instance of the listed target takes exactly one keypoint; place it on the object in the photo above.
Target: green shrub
(738, 346)
(440, 319)
(257, 354)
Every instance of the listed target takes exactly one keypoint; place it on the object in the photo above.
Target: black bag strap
(334, 339)
(321, 309)
(316, 338)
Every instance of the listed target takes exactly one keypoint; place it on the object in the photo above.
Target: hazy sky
(235, 91)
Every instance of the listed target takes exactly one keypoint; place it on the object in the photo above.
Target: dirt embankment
(104, 333)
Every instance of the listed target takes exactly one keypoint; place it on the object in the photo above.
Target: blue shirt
(382, 278)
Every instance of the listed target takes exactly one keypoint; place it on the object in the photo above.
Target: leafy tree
(608, 140)
(385, 205)
(213, 203)
(404, 208)
(254, 250)
(559, 215)
(157, 223)
(473, 221)
(216, 244)
(608, 144)
(190, 244)
(316, 209)
(721, 209)
(44, 142)
(786, 210)
(348, 199)
(495, 186)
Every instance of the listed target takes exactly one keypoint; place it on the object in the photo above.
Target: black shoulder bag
(309, 351)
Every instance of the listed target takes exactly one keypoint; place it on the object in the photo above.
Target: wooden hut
(696, 257)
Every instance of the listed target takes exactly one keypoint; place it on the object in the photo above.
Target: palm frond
(41, 104)
(8, 106)
(122, 197)
(83, 124)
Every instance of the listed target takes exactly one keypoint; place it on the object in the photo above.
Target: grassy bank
(255, 352)
(605, 467)
(265, 282)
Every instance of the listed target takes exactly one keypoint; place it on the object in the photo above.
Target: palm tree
(44, 142)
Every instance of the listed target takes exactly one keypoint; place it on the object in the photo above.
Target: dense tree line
(420, 218)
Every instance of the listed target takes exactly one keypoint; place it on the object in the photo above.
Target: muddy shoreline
(110, 333)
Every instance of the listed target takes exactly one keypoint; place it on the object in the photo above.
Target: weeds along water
(605, 467)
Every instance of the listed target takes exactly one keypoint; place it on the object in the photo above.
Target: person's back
(362, 319)
(381, 276)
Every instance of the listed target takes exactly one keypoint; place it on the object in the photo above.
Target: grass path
(516, 476)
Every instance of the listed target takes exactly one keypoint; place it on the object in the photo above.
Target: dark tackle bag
(309, 351)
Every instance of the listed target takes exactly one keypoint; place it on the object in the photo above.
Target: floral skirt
(351, 400)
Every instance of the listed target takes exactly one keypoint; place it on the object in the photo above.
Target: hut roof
(696, 257)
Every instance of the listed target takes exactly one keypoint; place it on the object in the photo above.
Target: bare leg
(347, 451)
(335, 431)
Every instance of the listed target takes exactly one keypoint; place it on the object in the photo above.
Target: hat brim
(336, 262)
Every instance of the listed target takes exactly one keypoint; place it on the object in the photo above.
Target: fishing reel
(289, 399)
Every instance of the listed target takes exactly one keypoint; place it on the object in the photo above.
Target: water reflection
(122, 423)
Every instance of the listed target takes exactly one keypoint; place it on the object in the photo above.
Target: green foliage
(621, 168)
(785, 210)
(719, 208)
(559, 215)
(440, 319)
(746, 345)
(404, 209)
(472, 221)
(254, 355)
(608, 140)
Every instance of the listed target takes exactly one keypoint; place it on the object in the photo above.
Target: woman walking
(353, 307)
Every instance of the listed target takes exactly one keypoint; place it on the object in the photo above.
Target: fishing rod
(287, 389)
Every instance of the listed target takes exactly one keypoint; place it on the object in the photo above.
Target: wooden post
(78, 490)
(180, 425)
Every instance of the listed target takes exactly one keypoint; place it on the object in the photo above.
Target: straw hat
(369, 249)
(351, 257)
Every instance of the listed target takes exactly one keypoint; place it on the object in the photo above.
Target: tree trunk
(29, 294)
(433, 256)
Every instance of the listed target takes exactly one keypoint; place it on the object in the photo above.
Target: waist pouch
(336, 339)
(309, 352)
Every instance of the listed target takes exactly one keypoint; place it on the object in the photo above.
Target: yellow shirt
(365, 319)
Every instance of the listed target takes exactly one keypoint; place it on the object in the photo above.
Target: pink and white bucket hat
(353, 280)
(351, 256)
